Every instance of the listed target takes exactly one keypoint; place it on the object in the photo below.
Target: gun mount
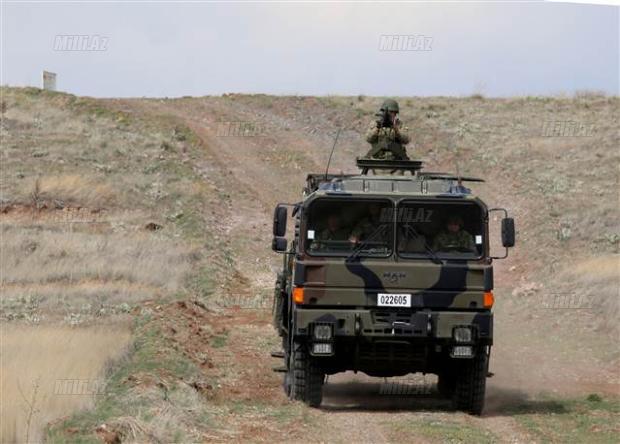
(425, 180)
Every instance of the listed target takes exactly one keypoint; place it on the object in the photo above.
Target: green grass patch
(593, 418)
(200, 284)
(442, 431)
(284, 414)
(151, 358)
(220, 340)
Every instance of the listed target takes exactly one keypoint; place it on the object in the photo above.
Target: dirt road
(253, 174)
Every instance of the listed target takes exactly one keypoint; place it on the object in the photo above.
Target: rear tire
(470, 383)
(304, 379)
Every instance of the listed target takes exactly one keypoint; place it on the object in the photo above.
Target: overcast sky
(166, 49)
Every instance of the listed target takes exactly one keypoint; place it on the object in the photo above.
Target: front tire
(279, 296)
(470, 383)
(304, 379)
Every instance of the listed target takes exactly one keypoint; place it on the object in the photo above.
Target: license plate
(393, 300)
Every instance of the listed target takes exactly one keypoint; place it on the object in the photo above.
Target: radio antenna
(460, 133)
(332, 153)
(458, 170)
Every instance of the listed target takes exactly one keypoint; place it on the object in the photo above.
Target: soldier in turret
(387, 135)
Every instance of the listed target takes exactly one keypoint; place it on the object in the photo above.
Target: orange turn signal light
(488, 300)
(298, 295)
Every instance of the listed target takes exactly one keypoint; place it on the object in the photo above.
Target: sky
(177, 49)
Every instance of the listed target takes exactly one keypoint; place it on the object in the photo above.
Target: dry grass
(605, 267)
(73, 190)
(38, 256)
(60, 273)
(79, 184)
(597, 280)
(84, 154)
(44, 355)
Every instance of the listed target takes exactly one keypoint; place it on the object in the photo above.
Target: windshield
(446, 230)
(439, 229)
(342, 228)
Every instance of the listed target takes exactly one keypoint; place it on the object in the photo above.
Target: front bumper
(380, 323)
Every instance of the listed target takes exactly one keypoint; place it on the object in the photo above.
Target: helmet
(390, 105)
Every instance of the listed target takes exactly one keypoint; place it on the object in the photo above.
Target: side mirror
(279, 221)
(279, 244)
(508, 232)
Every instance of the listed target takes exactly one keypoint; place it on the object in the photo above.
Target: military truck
(388, 273)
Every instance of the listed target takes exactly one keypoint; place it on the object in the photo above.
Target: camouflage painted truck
(387, 274)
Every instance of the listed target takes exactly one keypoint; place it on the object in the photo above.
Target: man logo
(394, 276)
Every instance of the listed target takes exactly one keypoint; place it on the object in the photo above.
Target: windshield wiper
(429, 251)
(371, 238)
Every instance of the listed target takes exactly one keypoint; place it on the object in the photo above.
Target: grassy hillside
(149, 219)
(101, 213)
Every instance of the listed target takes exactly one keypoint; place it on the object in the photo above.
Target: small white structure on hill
(49, 80)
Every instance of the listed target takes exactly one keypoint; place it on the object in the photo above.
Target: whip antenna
(458, 170)
(332, 153)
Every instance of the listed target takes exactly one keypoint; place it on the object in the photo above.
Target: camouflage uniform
(341, 234)
(460, 239)
(386, 142)
(366, 227)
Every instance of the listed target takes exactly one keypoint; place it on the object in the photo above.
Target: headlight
(462, 351)
(462, 334)
(322, 332)
(322, 348)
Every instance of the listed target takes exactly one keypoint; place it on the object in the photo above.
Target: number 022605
(393, 300)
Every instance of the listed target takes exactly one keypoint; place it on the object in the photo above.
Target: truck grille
(390, 351)
(389, 317)
(392, 322)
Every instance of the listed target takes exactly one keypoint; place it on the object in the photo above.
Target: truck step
(277, 354)
(281, 369)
